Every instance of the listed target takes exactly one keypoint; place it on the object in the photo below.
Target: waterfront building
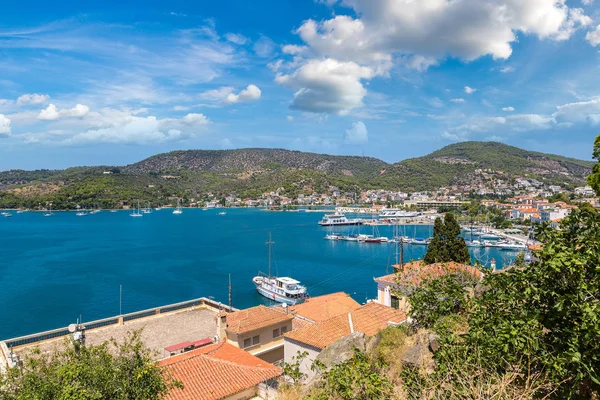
(221, 372)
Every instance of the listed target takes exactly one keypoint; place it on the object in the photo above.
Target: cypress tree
(446, 245)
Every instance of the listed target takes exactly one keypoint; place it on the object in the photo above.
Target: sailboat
(48, 213)
(136, 213)
(281, 289)
(81, 213)
(147, 210)
(178, 210)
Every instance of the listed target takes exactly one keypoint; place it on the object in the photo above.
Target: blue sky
(393, 79)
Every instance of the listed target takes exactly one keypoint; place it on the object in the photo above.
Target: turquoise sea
(54, 269)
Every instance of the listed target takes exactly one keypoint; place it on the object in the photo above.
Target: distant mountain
(251, 172)
(457, 162)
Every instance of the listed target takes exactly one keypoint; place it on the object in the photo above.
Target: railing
(55, 333)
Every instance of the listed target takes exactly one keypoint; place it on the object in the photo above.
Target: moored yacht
(396, 213)
(338, 219)
(280, 289)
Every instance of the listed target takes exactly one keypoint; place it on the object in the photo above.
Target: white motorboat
(338, 219)
(178, 210)
(280, 289)
(512, 246)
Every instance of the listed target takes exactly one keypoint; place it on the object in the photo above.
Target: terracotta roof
(369, 319)
(254, 318)
(415, 272)
(216, 371)
(325, 307)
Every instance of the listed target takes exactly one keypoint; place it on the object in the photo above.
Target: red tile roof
(217, 371)
(322, 308)
(254, 318)
(369, 319)
(415, 272)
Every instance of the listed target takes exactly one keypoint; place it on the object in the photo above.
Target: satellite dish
(72, 328)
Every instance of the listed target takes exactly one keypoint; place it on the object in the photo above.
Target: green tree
(594, 177)
(356, 379)
(109, 371)
(439, 297)
(545, 317)
(446, 245)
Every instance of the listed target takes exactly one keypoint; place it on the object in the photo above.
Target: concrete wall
(293, 348)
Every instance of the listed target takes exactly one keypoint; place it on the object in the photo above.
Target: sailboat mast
(270, 243)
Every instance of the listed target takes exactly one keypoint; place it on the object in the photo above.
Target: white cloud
(508, 109)
(469, 90)
(180, 108)
(121, 126)
(236, 38)
(290, 118)
(594, 36)
(587, 2)
(507, 69)
(579, 112)
(5, 125)
(52, 113)
(357, 134)
(459, 100)
(327, 86)
(418, 34)
(32, 99)
(264, 47)
(216, 94)
(252, 92)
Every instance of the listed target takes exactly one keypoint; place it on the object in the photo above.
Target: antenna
(230, 307)
(270, 243)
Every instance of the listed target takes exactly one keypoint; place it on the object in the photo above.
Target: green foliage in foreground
(540, 321)
(356, 379)
(110, 371)
(446, 245)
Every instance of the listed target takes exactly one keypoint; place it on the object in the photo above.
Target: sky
(110, 83)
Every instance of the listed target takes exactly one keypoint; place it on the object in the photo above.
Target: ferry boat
(396, 213)
(338, 219)
(280, 289)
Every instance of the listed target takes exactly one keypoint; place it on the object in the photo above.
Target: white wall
(292, 348)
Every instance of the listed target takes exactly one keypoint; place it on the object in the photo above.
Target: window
(255, 340)
(395, 302)
(276, 333)
(283, 329)
(247, 342)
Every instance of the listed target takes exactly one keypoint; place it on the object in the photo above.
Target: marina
(61, 267)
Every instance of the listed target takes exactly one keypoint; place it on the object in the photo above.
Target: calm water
(54, 269)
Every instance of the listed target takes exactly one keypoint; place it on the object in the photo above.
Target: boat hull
(276, 297)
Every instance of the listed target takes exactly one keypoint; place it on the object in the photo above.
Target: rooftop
(369, 319)
(254, 318)
(321, 308)
(159, 331)
(416, 272)
(217, 371)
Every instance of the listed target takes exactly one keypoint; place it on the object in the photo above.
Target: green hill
(251, 172)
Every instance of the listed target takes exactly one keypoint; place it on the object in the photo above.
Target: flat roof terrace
(161, 327)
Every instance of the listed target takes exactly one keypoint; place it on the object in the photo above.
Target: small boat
(178, 210)
(489, 236)
(48, 213)
(147, 210)
(114, 211)
(373, 240)
(81, 214)
(157, 208)
(396, 213)
(350, 238)
(20, 211)
(338, 219)
(512, 247)
(280, 289)
(6, 214)
(473, 243)
(419, 241)
(136, 213)
(222, 213)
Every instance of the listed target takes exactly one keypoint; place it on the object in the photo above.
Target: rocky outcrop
(343, 350)
(419, 350)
